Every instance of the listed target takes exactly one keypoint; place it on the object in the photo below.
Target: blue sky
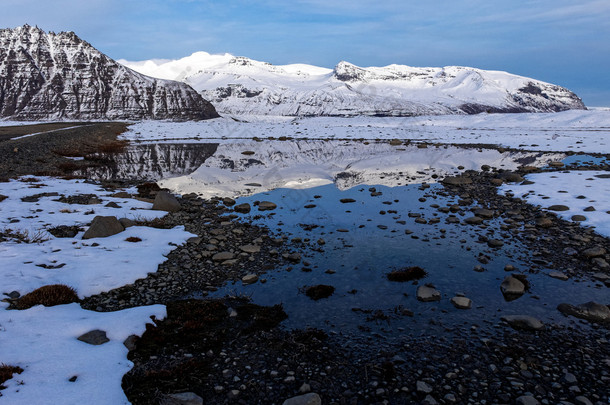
(566, 42)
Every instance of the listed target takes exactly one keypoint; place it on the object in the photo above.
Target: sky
(566, 42)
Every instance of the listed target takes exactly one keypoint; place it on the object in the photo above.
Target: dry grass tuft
(6, 373)
(23, 236)
(48, 295)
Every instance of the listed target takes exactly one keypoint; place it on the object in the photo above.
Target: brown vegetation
(407, 274)
(48, 295)
(6, 373)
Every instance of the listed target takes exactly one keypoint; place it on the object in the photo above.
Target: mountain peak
(51, 76)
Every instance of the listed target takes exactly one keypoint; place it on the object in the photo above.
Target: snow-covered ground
(577, 190)
(577, 131)
(43, 341)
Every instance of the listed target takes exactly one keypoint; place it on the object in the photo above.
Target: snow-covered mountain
(238, 85)
(50, 76)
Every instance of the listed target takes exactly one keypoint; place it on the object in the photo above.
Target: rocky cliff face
(243, 86)
(53, 76)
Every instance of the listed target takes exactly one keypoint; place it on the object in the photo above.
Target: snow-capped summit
(239, 85)
(50, 76)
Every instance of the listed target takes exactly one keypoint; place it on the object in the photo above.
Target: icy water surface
(377, 242)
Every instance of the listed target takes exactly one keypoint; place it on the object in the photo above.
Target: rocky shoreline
(231, 351)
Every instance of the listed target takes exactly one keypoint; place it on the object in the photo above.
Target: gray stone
(427, 293)
(95, 337)
(600, 262)
(590, 311)
(474, 220)
(512, 288)
(558, 275)
(461, 302)
(250, 248)
(580, 400)
(102, 227)
(164, 201)
(249, 279)
(559, 207)
(594, 252)
(126, 222)
(429, 400)
(222, 256)
(266, 206)
(308, 399)
(242, 208)
(523, 322)
(130, 342)
(183, 398)
(527, 400)
(423, 387)
(457, 180)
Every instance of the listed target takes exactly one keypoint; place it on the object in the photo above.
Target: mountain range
(242, 86)
(47, 76)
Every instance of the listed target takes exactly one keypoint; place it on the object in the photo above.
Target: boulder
(427, 293)
(266, 206)
(461, 302)
(164, 201)
(102, 227)
(222, 256)
(457, 180)
(95, 337)
(242, 208)
(596, 251)
(523, 322)
(590, 311)
(512, 288)
(249, 279)
(308, 399)
(183, 398)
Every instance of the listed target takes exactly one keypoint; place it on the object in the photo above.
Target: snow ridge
(242, 86)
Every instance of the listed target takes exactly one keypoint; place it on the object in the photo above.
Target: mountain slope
(50, 76)
(238, 85)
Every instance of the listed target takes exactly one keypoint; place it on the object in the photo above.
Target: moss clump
(49, 295)
(407, 274)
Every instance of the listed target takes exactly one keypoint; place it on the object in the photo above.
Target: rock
(164, 201)
(495, 243)
(578, 218)
(95, 337)
(590, 311)
(580, 400)
(511, 177)
(474, 220)
(183, 398)
(570, 378)
(512, 288)
(121, 194)
(130, 342)
(558, 275)
(242, 208)
(426, 293)
(395, 142)
(457, 180)
(229, 202)
(559, 207)
(594, 252)
(423, 387)
(544, 222)
(126, 222)
(249, 279)
(429, 400)
(308, 399)
(461, 302)
(347, 200)
(305, 388)
(484, 213)
(250, 248)
(102, 227)
(222, 256)
(601, 263)
(523, 322)
(266, 206)
(527, 400)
